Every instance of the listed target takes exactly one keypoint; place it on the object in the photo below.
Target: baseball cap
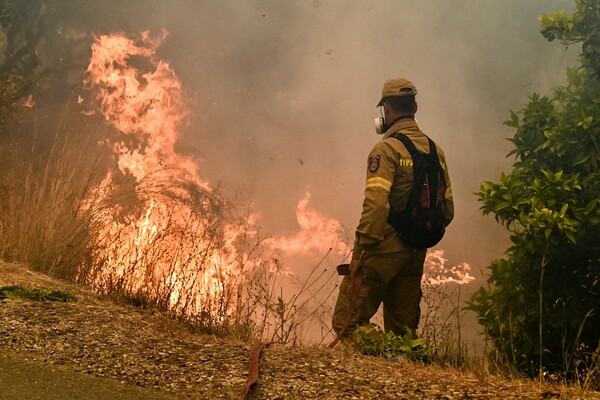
(397, 87)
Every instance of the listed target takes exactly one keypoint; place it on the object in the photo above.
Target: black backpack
(421, 224)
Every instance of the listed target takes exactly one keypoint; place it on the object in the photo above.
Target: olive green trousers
(393, 279)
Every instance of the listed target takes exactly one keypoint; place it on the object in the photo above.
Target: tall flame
(156, 228)
(148, 106)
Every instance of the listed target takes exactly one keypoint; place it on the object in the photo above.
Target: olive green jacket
(389, 182)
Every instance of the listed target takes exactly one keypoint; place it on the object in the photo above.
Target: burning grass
(163, 241)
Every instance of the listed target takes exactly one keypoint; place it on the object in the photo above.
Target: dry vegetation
(141, 347)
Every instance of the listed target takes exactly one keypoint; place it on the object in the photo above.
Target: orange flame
(149, 106)
(317, 233)
(438, 273)
(156, 228)
(157, 234)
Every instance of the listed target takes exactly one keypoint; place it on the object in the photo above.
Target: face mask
(380, 124)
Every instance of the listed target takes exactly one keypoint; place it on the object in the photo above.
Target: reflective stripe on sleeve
(379, 182)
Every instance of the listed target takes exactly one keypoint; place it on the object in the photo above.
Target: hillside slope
(129, 346)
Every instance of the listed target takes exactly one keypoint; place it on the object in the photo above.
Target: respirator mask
(380, 123)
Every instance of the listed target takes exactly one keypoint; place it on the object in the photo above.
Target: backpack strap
(410, 146)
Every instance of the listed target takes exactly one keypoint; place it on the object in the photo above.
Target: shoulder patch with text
(374, 163)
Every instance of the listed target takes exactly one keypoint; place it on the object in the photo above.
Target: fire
(317, 233)
(156, 227)
(149, 106)
(437, 273)
(157, 230)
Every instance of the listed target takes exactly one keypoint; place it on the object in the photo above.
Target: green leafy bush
(372, 340)
(541, 308)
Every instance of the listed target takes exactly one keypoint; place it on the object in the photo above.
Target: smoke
(282, 94)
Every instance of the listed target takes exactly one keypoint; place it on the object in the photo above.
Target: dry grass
(441, 325)
(41, 188)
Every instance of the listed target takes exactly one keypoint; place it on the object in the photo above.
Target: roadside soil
(98, 349)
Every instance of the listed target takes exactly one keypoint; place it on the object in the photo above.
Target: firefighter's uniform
(392, 269)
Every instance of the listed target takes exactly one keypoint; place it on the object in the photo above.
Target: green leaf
(590, 206)
(563, 209)
(501, 206)
(570, 235)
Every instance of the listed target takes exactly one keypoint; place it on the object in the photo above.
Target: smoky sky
(282, 94)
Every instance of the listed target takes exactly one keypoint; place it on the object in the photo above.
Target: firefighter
(391, 270)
